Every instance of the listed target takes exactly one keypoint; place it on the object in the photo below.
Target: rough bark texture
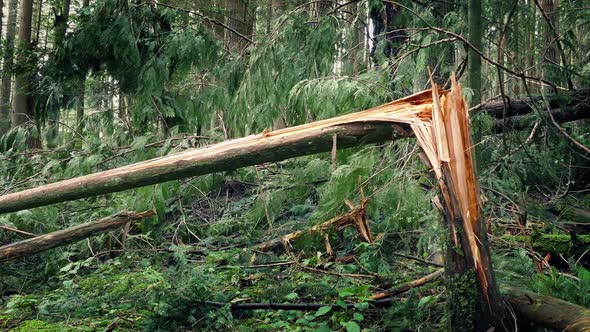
(201, 161)
(474, 60)
(23, 108)
(7, 67)
(579, 99)
(527, 121)
(241, 18)
(534, 309)
(60, 238)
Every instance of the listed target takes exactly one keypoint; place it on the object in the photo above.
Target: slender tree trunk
(23, 109)
(241, 18)
(62, 15)
(386, 29)
(38, 10)
(7, 68)
(82, 90)
(550, 59)
(474, 60)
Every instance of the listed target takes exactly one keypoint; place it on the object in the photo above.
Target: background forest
(91, 85)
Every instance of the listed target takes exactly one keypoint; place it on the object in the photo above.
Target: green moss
(38, 325)
(463, 301)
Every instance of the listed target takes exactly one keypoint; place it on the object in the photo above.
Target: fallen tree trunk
(522, 122)
(548, 311)
(575, 101)
(366, 127)
(69, 235)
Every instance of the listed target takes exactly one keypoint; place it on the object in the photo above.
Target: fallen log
(522, 122)
(548, 311)
(378, 124)
(574, 101)
(69, 235)
(365, 127)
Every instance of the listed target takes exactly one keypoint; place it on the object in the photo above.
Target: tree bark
(474, 60)
(225, 156)
(82, 90)
(230, 155)
(547, 311)
(23, 109)
(62, 15)
(1, 19)
(241, 18)
(69, 235)
(7, 67)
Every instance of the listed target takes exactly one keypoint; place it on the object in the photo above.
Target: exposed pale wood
(63, 237)
(474, 300)
(356, 217)
(407, 286)
(374, 125)
(548, 311)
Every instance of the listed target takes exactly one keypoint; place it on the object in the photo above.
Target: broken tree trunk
(474, 302)
(548, 311)
(374, 125)
(370, 126)
(69, 235)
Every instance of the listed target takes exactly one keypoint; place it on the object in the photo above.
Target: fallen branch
(375, 125)
(548, 311)
(377, 300)
(356, 217)
(522, 122)
(295, 306)
(63, 237)
(18, 231)
(406, 287)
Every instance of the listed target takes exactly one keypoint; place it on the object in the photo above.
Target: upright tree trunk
(23, 109)
(386, 29)
(1, 18)
(474, 60)
(550, 59)
(7, 68)
(62, 15)
(241, 18)
(38, 23)
(82, 90)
